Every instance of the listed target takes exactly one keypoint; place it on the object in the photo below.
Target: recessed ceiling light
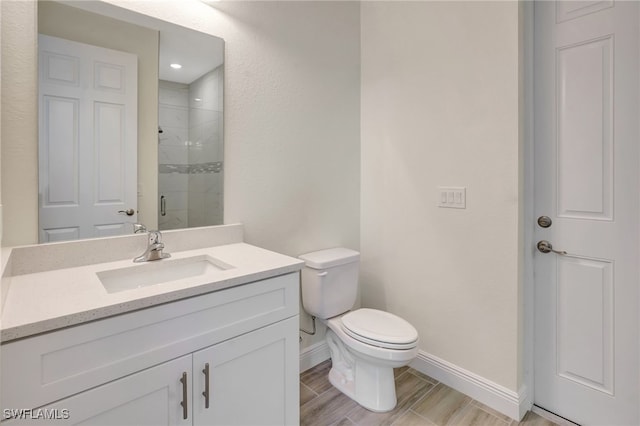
(197, 99)
(176, 66)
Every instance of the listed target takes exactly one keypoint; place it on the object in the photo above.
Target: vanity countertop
(48, 300)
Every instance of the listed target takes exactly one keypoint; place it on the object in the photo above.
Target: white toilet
(365, 344)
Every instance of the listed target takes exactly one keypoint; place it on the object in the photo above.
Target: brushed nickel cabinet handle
(183, 380)
(206, 385)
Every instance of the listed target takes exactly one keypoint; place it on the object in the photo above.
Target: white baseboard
(313, 355)
(508, 402)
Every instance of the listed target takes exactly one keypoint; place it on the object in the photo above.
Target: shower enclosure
(190, 152)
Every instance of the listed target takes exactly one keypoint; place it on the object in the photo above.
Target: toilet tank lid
(330, 257)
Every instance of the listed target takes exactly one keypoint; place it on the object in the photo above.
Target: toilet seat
(379, 328)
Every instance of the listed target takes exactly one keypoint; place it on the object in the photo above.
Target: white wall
(440, 106)
(19, 122)
(1, 136)
(292, 123)
(292, 131)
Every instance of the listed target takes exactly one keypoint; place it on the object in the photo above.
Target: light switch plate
(452, 197)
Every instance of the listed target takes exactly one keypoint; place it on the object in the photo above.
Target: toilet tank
(329, 281)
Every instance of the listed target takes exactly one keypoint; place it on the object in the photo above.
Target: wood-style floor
(421, 401)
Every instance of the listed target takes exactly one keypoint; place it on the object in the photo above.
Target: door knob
(544, 221)
(545, 246)
(128, 212)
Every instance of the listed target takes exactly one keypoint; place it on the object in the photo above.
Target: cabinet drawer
(45, 368)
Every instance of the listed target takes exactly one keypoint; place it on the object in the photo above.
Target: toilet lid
(379, 328)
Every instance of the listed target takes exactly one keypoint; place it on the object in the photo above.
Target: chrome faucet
(154, 249)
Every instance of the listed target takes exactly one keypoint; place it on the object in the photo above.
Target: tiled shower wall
(205, 150)
(190, 152)
(173, 152)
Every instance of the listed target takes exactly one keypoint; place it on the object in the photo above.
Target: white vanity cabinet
(129, 369)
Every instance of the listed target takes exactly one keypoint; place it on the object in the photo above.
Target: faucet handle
(139, 227)
(155, 237)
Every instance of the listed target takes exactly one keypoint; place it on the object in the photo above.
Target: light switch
(452, 197)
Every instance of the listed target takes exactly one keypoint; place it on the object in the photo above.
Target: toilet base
(374, 388)
(372, 385)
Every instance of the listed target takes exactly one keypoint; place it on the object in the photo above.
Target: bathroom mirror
(145, 142)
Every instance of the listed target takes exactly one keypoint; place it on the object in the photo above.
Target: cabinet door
(150, 397)
(253, 378)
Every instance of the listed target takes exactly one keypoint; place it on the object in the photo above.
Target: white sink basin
(158, 272)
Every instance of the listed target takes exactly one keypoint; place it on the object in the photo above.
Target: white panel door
(587, 182)
(253, 379)
(151, 397)
(87, 141)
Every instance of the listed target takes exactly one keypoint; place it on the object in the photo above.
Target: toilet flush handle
(322, 274)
